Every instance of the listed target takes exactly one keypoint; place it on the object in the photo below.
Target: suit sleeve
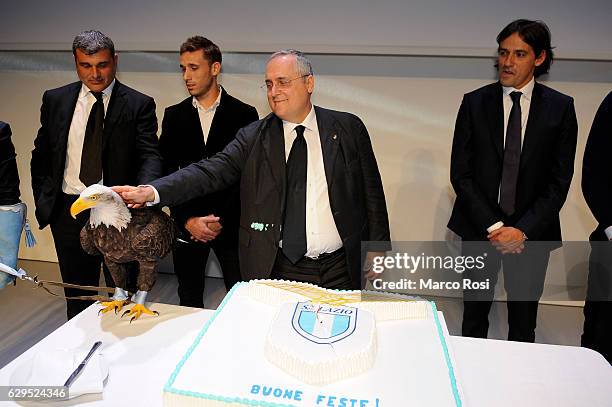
(472, 198)
(596, 174)
(40, 164)
(147, 143)
(376, 207)
(206, 176)
(547, 206)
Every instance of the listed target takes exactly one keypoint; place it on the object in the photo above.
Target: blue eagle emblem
(324, 324)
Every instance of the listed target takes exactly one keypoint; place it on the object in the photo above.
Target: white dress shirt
(525, 101)
(321, 233)
(71, 183)
(206, 115)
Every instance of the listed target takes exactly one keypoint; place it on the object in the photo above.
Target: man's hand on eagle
(135, 197)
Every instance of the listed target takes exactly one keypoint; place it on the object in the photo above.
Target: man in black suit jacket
(511, 167)
(96, 130)
(597, 190)
(197, 128)
(310, 189)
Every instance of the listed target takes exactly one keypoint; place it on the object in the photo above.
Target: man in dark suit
(310, 189)
(597, 190)
(96, 130)
(197, 128)
(511, 166)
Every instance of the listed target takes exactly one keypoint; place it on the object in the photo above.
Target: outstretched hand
(135, 197)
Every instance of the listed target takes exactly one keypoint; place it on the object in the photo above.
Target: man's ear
(310, 83)
(541, 58)
(215, 68)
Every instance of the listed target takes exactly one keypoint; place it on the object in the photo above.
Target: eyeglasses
(281, 83)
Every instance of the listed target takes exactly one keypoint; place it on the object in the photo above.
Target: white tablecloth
(142, 355)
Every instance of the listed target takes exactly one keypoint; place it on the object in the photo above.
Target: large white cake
(279, 343)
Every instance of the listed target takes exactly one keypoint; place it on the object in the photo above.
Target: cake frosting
(279, 343)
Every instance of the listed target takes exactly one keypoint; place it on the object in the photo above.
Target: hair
(304, 67)
(534, 33)
(211, 51)
(92, 41)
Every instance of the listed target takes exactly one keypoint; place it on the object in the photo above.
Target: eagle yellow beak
(80, 205)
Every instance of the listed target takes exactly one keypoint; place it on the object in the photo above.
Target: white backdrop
(438, 27)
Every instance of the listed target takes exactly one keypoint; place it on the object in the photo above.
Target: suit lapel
(192, 127)
(273, 142)
(494, 106)
(115, 107)
(66, 113)
(329, 142)
(537, 111)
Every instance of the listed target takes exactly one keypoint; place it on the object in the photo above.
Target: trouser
(524, 276)
(329, 270)
(190, 265)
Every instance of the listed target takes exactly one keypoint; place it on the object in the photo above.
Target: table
(142, 355)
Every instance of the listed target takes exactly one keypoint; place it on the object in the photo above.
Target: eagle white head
(106, 206)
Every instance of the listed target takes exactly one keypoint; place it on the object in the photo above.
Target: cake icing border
(249, 402)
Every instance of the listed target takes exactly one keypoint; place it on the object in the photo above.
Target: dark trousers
(524, 276)
(190, 266)
(597, 333)
(328, 271)
(76, 266)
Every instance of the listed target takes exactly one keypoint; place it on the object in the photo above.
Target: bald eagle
(122, 235)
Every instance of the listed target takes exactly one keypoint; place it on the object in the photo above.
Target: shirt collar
(106, 92)
(527, 90)
(216, 104)
(310, 122)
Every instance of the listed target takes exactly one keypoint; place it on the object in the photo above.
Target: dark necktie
(294, 225)
(91, 157)
(512, 157)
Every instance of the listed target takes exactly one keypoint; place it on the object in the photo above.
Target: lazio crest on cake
(320, 343)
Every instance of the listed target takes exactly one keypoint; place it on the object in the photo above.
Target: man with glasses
(197, 128)
(309, 184)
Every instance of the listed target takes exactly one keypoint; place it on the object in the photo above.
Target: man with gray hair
(310, 189)
(95, 130)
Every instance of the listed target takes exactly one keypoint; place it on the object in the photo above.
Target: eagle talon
(137, 310)
(115, 305)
